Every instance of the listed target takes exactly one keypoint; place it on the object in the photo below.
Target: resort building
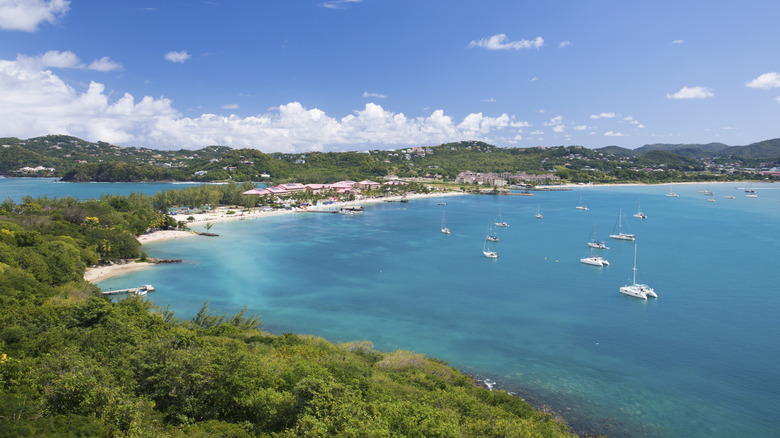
(367, 185)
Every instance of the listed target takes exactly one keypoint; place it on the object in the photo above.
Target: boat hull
(622, 236)
(594, 261)
(633, 291)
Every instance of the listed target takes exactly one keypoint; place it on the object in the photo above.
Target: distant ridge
(761, 150)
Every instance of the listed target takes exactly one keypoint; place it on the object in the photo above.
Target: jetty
(141, 290)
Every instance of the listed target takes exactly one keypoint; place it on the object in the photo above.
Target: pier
(141, 290)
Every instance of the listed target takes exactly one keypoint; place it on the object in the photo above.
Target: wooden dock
(141, 290)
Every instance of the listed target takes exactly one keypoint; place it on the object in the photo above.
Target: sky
(341, 75)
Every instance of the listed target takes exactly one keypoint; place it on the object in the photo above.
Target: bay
(17, 188)
(698, 361)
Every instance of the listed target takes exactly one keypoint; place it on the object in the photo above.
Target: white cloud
(500, 42)
(338, 4)
(765, 81)
(490, 100)
(564, 44)
(554, 121)
(179, 57)
(26, 15)
(678, 41)
(603, 116)
(581, 127)
(377, 95)
(104, 64)
(614, 134)
(67, 59)
(777, 99)
(558, 128)
(691, 93)
(537, 132)
(230, 106)
(35, 101)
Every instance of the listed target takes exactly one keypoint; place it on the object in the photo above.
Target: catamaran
(639, 213)
(595, 244)
(620, 235)
(594, 260)
(444, 229)
(538, 213)
(671, 194)
(580, 206)
(638, 290)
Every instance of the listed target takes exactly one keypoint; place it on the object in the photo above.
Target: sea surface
(699, 361)
(17, 188)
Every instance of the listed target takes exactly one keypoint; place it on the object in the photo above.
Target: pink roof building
(293, 187)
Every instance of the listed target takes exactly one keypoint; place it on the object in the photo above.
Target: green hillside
(73, 363)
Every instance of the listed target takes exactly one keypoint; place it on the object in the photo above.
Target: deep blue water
(701, 360)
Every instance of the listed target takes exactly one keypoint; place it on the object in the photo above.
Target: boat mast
(635, 263)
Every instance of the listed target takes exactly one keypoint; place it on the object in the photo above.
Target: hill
(73, 363)
(767, 149)
(74, 159)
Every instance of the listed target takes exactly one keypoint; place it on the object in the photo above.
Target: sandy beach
(95, 274)
(105, 272)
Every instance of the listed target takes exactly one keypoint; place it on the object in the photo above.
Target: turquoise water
(698, 361)
(17, 188)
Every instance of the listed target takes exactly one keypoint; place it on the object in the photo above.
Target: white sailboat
(620, 235)
(491, 236)
(486, 251)
(595, 244)
(538, 213)
(580, 206)
(639, 214)
(594, 260)
(444, 228)
(671, 194)
(499, 221)
(638, 290)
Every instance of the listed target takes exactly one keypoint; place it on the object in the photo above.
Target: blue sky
(301, 75)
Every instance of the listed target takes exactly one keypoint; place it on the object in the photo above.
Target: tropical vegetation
(73, 363)
(74, 159)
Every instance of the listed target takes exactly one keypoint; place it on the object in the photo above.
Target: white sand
(105, 272)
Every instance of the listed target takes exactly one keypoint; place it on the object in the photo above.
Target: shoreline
(100, 273)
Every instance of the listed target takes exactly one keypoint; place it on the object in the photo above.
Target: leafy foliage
(74, 363)
(77, 160)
